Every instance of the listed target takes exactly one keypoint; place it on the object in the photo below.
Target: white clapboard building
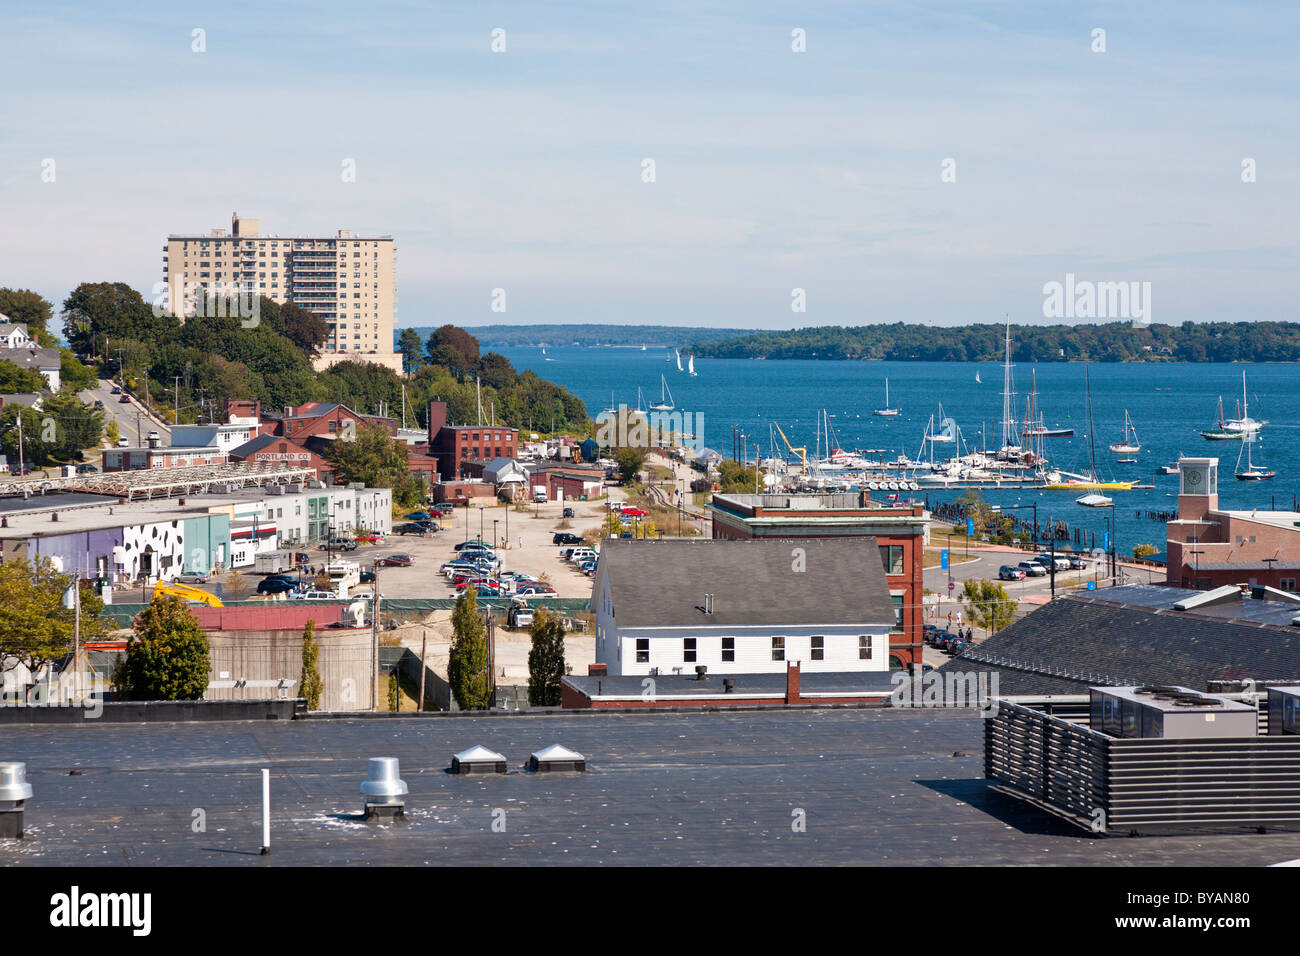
(741, 606)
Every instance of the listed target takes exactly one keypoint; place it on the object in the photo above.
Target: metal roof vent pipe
(701, 672)
(383, 790)
(556, 758)
(14, 791)
(728, 685)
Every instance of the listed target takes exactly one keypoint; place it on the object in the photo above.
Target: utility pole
(374, 640)
(424, 646)
(20, 441)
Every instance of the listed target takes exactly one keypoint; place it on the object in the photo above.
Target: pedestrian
(521, 542)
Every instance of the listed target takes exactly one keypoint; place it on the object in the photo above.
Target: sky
(774, 170)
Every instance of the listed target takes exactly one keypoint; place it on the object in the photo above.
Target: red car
(396, 561)
(633, 513)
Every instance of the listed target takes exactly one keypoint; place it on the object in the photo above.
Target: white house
(13, 335)
(741, 606)
(226, 437)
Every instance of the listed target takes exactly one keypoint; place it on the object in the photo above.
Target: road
(133, 422)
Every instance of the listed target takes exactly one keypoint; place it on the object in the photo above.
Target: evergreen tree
(546, 660)
(167, 656)
(467, 663)
(310, 686)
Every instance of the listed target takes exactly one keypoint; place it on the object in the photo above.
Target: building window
(778, 648)
(818, 648)
(864, 647)
(643, 650)
(729, 649)
(897, 601)
(688, 650)
(891, 556)
(1287, 584)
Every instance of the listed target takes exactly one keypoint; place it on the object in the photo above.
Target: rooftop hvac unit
(1283, 710)
(1169, 713)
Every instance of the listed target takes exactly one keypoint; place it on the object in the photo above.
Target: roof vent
(701, 672)
(1222, 595)
(728, 685)
(555, 758)
(478, 759)
(384, 789)
(14, 789)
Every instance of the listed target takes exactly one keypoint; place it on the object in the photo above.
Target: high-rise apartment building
(349, 281)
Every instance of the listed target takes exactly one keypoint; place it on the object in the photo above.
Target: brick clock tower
(1198, 489)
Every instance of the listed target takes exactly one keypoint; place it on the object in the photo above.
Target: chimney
(792, 682)
(597, 670)
(437, 420)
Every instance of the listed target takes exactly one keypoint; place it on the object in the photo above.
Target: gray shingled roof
(662, 583)
(1072, 641)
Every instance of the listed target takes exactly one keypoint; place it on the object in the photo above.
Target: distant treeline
(663, 336)
(1112, 342)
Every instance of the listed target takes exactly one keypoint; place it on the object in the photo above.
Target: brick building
(1209, 547)
(272, 448)
(899, 532)
(451, 445)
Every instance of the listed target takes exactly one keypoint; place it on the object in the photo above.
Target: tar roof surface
(1133, 635)
(879, 786)
(755, 583)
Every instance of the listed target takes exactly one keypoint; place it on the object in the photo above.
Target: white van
(616, 505)
(578, 555)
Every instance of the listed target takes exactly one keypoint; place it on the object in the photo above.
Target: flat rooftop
(878, 786)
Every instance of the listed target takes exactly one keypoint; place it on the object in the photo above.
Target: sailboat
(886, 412)
(665, 403)
(640, 401)
(1090, 481)
(1251, 473)
(1220, 432)
(690, 366)
(1126, 447)
(679, 359)
(978, 380)
(1245, 425)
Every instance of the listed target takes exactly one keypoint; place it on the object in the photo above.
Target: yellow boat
(1090, 486)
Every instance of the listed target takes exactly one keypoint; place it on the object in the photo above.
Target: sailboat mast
(1092, 449)
(1008, 396)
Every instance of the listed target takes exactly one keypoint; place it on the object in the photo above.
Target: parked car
(275, 586)
(1009, 573)
(367, 576)
(339, 544)
(125, 399)
(566, 537)
(87, 469)
(1077, 563)
(537, 588)
(410, 527)
(1046, 560)
(314, 595)
(117, 389)
(472, 543)
(569, 513)
(192, 577)
(1033, 569)
(99, 405)
(396, 561)
(634, 513)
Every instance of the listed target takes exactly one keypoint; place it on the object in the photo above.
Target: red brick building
(324, 420)
(1208, 547)
(451, 445)
(899, 532)
(272, 448)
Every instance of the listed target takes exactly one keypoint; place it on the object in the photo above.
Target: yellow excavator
(179, 590)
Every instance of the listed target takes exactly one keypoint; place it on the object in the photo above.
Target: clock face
(1193, 479)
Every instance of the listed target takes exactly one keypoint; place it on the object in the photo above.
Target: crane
(801, 452)
(188, 593)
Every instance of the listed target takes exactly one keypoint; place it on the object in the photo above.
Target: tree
(374, 457)
(77, 426)
(1144, 550)
(95, 310)
(26, 306)
(546, 660)
(305, 329)
(988, 605)
(630, 462)
(411, 348)
(394, 693)
(36, 428)
(112, 433)
(461, 342)
(166, 656)
(35, 627)
(495, 370)
(73, 375)
(310, 685)
(467, 661)
(15, 379)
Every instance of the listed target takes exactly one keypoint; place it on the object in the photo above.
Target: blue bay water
(1168, 404)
